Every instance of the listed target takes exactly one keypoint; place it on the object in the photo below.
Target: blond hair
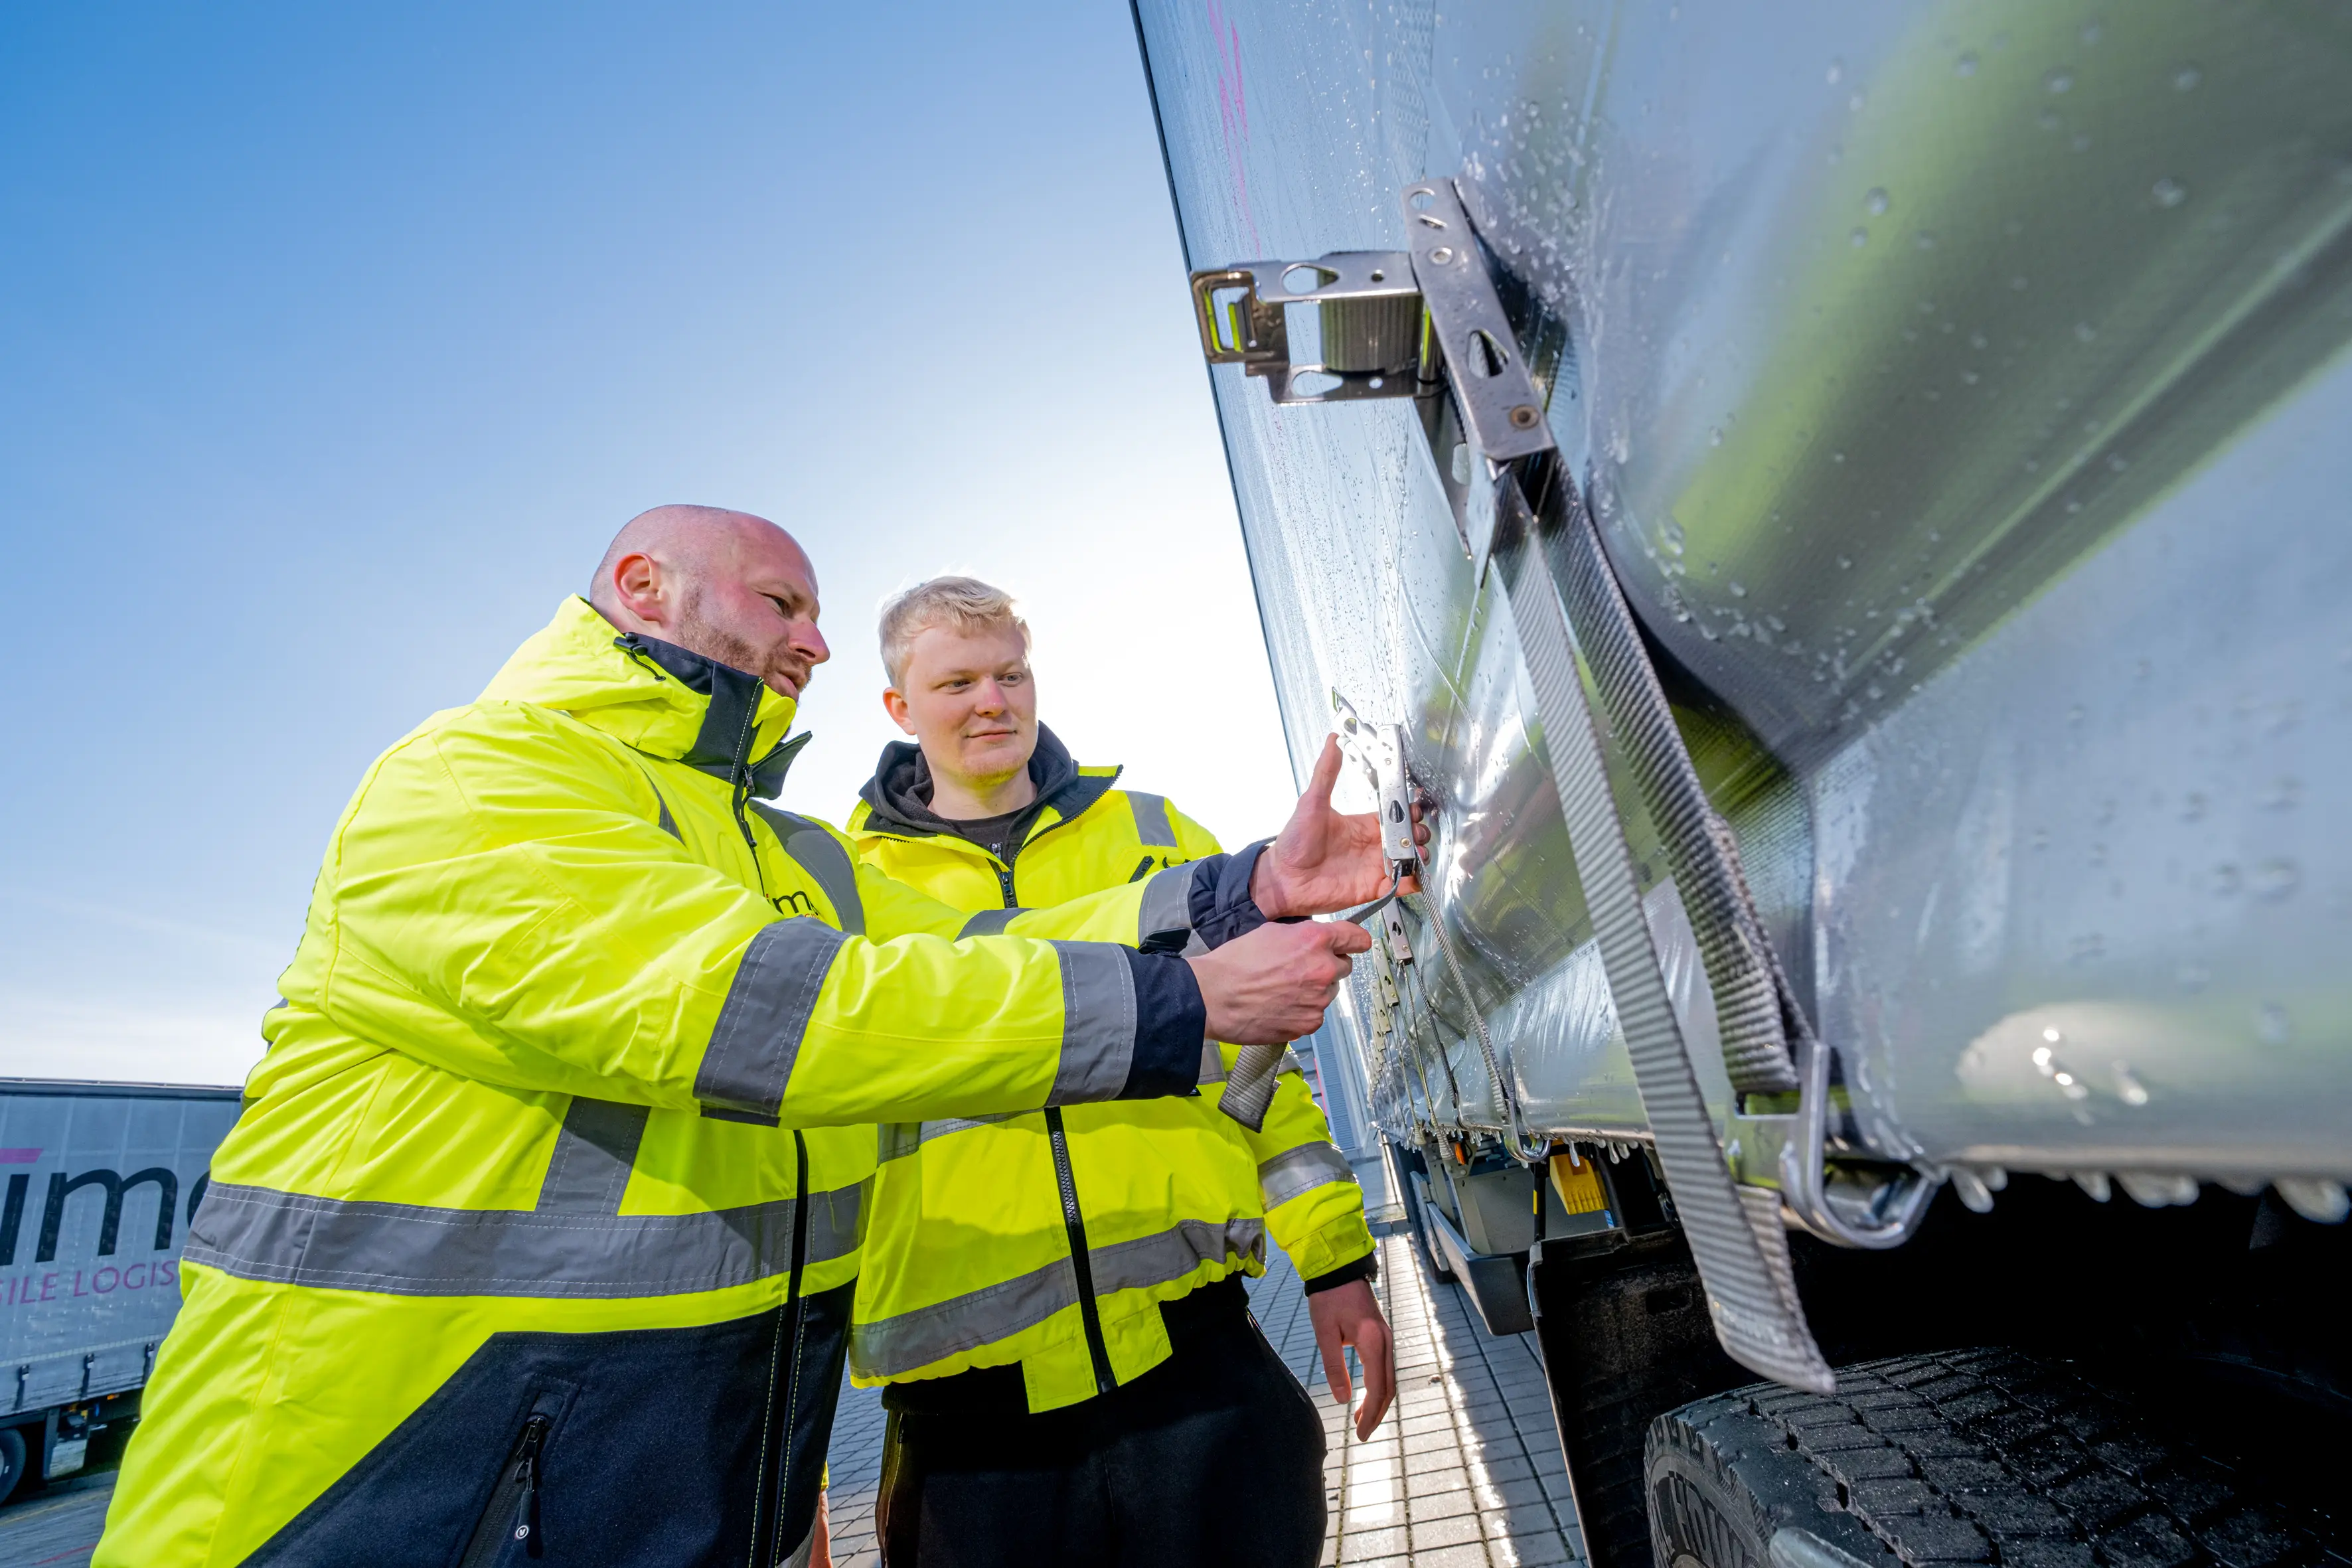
(965, 602)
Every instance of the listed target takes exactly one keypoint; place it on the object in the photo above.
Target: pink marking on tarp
(1233, 111)
(19, 1156)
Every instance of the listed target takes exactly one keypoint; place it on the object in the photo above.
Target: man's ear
(894, 703)
(637, 585)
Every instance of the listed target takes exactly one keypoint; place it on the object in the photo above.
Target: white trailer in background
(98, 1182)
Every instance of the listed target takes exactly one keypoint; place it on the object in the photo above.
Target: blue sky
(339, 340)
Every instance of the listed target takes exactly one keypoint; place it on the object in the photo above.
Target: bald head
(725, 584)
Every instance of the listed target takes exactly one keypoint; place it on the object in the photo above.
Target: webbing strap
(1742, 1252)
(1757, 1015)
(1250, 1085)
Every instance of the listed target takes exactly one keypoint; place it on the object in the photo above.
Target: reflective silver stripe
(1302, 1170)
(892, 1347)
(895, 1346)
(900, 1139)
(1172, 1254)
(1167, 910)
(1151, 818)
(758, 1038)
(594, 1153)
(1097, 1023)
(988, 922)
(820, 854)
(407, 1249)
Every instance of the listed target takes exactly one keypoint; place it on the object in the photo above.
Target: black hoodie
(899, 797)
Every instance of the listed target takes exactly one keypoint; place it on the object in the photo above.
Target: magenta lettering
(101, 1284)
(48, 1286)
(137, 1284)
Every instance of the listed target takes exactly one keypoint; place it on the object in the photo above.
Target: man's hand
(1270, 987)
(1348, 1315)
(1323, 861)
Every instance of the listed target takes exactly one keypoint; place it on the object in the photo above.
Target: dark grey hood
(899, 796)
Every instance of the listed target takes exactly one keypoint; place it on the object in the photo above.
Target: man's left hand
(1349, 1315)
(1324, 862)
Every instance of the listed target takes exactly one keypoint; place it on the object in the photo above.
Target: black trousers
(1212, 1457)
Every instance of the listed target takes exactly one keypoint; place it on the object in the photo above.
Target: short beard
(696, 634)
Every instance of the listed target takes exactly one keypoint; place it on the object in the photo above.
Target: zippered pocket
(512, 1519)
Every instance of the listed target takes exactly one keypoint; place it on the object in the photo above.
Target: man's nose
(989, 696)
(809, 642)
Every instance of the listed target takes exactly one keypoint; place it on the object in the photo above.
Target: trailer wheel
(1977, 1456)
(12, 1461)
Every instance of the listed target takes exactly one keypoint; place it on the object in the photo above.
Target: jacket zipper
(1088, 1315)
(502, 1524)
(1072, 1218)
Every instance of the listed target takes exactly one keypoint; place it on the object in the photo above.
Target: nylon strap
(1742, 1251)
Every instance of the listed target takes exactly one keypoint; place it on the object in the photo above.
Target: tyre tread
(1990, 1456)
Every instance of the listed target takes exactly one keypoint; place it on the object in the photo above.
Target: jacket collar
(655, 697)
(899, 797)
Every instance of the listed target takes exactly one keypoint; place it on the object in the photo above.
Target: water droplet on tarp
(1836, 72)
(1971, 1189)
(2091, 31)
(1966, 65)
(2315, 1198)
(2186, 78)
(2271, 1024)
(2282, 794)
(2275, 880)
(2059, 78)
(1858, 239)
(1715, 437)
(1876, 202)
(1738, 589)
(1925, 239)
(2158, 1189)
(2169, 192)
(2128, 1088)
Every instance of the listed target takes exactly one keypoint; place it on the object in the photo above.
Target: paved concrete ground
(57, 1527)
(1466, 1471)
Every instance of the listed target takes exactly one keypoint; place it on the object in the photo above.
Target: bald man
(537, 1235)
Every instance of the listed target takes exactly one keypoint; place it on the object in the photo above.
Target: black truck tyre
(12, 1461)
(1984, 1456)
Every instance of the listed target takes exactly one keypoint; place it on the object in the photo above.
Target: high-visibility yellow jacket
(519, 1238)
(1050, 1238)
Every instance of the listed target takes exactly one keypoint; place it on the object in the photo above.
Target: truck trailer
(1842, 510)
(101, 1182)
